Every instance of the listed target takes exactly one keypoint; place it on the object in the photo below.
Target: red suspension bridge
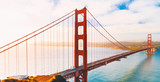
(66, 46)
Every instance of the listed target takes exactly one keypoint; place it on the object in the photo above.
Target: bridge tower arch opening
(83, 51)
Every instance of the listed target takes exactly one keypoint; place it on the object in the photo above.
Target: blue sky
(158, 5)
(127, 20)
(124, 5)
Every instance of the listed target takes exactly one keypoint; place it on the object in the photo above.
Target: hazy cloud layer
(122, 18)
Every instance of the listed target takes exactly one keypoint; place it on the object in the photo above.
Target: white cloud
(20, 17)
(126, 21)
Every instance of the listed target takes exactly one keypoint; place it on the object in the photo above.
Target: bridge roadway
(72, 72)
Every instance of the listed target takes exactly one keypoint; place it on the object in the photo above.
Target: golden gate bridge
(66, 46)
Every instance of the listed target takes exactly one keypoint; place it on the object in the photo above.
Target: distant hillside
(130, 45)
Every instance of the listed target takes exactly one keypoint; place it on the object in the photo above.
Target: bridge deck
(71, 72)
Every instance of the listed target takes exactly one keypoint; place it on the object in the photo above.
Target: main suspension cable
(102, 34)
(37, 30)
(106, 30)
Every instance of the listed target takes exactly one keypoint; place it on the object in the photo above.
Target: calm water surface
(135, 68)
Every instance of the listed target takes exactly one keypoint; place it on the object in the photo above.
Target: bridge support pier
(83, 52)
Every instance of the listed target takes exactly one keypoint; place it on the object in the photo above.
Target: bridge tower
(149, 44)
(83, 52)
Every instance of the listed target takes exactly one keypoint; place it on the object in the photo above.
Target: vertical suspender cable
(51, 50)
(48, 54)
(91, 43)
(61, 48)
(72, 42)
(44, 53)
(41, 54)
(16, 60)
(68, 43)
(103, 47)
(27, 51)
(26, 56)
(88, 41)
(53, 53)
(94, 45)
(8, 64)
(59, 45)
(63, 44)
(5, 64)
(107, 31)
(35, 55)
(57, 48)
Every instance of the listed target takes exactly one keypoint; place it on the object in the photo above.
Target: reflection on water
(136, 68)
(143, 66)
(146, 65)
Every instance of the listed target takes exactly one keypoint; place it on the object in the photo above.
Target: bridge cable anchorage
(106, 30)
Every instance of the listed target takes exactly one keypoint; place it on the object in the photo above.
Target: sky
(126, 20)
